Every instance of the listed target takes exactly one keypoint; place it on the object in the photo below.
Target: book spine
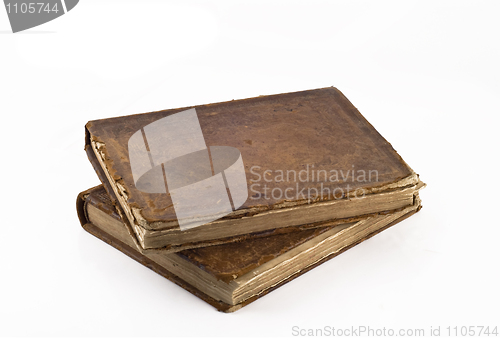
(98, 169)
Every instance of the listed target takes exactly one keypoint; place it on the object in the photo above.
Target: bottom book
(232, 275)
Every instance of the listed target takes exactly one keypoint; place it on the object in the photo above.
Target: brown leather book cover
(227, 262)
(306, 158)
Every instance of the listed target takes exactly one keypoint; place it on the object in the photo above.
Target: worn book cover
(217, 173)
(232, 275)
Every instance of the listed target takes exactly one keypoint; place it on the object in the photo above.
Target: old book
(232, 275)
(217, 173)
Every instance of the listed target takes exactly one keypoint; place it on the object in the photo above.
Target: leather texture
(319, 129)
(222, 261)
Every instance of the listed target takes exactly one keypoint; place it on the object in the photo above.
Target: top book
(216, 173)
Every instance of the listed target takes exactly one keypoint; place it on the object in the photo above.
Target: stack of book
(232, 200)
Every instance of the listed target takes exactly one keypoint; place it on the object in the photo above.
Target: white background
(424, 73)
